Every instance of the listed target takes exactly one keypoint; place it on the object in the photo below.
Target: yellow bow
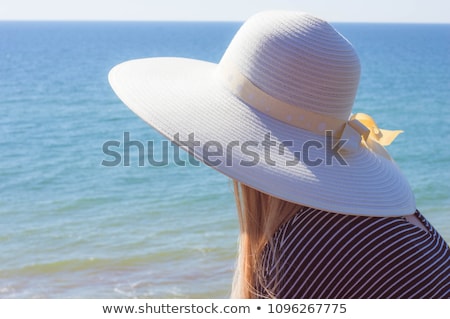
(362, 129)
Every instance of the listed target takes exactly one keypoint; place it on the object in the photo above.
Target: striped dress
(324, 255)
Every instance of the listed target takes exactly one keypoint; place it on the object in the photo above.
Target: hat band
(290, 114)
(359, 128)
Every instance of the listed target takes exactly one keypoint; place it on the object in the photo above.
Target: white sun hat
(275, 114)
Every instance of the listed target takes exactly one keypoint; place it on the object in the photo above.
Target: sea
(72, 227)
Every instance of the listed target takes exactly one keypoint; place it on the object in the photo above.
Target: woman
(323, 209)
(318, 254)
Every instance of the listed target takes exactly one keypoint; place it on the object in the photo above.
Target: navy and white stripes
(325, 255)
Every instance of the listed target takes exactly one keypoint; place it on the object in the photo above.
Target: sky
(417, 11)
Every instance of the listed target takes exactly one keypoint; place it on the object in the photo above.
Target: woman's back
(318, 254)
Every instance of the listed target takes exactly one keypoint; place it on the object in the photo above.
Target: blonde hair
(260, 215)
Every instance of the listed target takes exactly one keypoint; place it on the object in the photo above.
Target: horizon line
(208, 21)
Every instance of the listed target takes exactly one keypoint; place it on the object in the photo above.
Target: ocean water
(73, 228)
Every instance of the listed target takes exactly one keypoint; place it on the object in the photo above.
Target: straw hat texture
(275, 114)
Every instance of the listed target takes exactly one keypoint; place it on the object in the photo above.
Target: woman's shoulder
(318, 254)
(312, 224)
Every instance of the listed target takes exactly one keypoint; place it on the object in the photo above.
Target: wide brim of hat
(182, 97)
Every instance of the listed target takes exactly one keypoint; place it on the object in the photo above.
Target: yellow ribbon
(382, 136)
(359, 130)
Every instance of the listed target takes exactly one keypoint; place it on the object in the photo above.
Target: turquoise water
(72, 228)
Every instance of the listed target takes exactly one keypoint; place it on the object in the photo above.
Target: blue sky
(422, 11)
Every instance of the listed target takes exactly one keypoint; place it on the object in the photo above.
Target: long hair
(260, 215)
